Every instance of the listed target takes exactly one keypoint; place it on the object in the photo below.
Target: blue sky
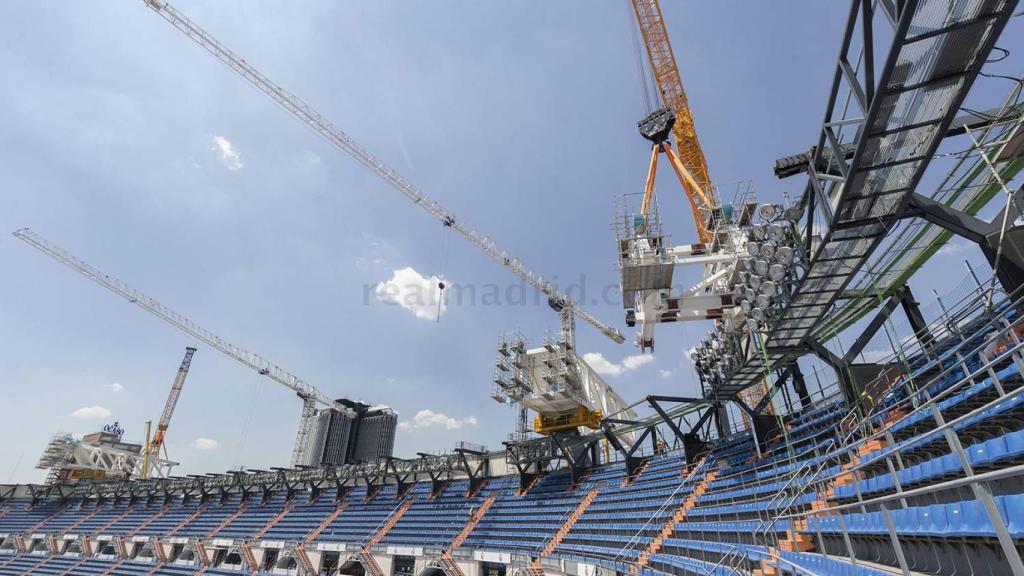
(126, 144)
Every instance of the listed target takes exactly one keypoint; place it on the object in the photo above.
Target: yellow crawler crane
(689, 164)
(153, 446)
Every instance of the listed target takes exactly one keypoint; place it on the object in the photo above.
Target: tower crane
(689, 165)
(646, 262)
(558, 300)
(154, 445)
(309, 394)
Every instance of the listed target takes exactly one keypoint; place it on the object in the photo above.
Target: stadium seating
(826, 497)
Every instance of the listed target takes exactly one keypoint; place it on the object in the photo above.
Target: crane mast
(319, 124)
(309, 394)
(670, 85)
(153, 447)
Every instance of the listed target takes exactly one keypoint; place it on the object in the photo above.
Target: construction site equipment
(305, 113)
(646, 259)
(153, 446)
(676, 117)
(96, 457)
(655, 128)
(565, 392)
(310, 395)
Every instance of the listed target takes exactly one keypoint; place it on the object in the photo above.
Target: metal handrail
(952, 390)
(565, 518)
(935, 400)
(767, 466)
(948, 484)
(664, 505)
(366, 540)
(733, 553)
(815, 477)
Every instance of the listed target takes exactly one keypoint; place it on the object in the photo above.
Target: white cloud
(635, 361)
(665, 373)
(205, 444)
(115, 387)
(414, 292)
(228, 154)
(953, 248)
(873, 356)
(91, 413)
(605, 367)
(430, 419)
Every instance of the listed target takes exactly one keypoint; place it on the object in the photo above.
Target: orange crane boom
(673, 96)
(153, 449)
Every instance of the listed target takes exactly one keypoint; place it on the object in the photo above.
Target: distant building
(337, 439)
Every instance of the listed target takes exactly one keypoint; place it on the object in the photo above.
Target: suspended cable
(440, 274)
(1005, 55)
(644, 75)
(235, 462)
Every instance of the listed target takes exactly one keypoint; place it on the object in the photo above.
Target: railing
(729, 560)
(384, 522)
(635, 539)
(930, 406)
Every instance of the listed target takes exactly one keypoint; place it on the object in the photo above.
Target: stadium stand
(928, 480)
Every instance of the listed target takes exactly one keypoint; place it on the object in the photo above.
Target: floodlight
(750, 294)
(752, 248)
(743, 277)
(760, 267)
(754, 281)
(784, 254)
(776, 232)
(746, 306)
(760, 231)
(769, 211)
(757, 314)
(738, 291)
(768, 288)
(776, 272)
(751, 324)
(761, 301)
(767, 250)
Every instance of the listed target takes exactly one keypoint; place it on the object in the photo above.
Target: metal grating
(936, 52)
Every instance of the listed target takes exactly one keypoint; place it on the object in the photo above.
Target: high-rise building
(337, 439)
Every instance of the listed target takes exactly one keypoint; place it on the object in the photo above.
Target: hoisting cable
(440, 275)
(246, 424)
(644, 75)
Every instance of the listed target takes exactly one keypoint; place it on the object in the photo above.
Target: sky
(126, 144)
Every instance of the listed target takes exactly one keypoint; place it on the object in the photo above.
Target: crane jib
(304, 112)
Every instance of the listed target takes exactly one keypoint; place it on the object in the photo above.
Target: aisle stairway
(163, 510)
(676, 518)
(227, 521)
(325, 522)
(199, 512)
(392, 520)
(370, 564)
(273, 521)
(470, 525)
(569, 523)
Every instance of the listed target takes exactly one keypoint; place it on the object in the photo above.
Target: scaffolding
(511, 379)
(56, 456)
